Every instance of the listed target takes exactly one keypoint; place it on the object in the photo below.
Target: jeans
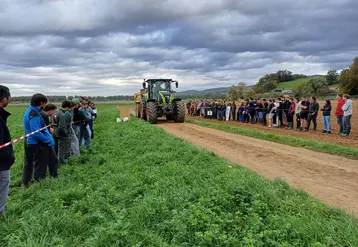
(4, 189)
(347, 124)
(220, 114)
(327, 123)
(340, 123)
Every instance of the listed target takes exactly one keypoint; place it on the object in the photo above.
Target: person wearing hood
(347, 115)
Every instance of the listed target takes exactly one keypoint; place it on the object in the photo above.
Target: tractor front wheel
(179, 112)
(152, 112)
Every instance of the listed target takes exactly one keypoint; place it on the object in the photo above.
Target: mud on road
(332, 179)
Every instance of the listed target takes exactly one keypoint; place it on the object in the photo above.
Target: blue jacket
(33, 121)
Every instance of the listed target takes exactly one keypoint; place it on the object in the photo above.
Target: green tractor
(160, 101)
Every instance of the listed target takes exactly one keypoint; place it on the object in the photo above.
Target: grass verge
(144, 187)
(349, 152)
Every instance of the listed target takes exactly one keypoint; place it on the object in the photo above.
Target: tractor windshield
(161, 86)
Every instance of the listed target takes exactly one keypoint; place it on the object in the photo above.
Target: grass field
(290, 84)
(144, 187)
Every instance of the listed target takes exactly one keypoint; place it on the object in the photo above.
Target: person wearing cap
(7, 158)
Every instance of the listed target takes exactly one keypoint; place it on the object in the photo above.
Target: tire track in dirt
(330, 178)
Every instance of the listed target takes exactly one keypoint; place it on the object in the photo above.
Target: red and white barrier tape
(22, 137)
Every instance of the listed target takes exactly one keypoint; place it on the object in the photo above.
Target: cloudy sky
(107, 47)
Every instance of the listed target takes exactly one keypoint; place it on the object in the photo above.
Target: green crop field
(144, 187)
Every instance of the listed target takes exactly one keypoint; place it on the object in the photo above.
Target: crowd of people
(54, 134)
(283, 112)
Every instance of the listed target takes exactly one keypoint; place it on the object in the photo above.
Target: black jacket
(7, 158)
(327, 110)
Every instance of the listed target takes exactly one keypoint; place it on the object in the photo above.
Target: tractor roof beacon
(159, 100)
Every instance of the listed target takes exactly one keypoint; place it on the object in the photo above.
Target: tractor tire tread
(152, 112)
(179, 112)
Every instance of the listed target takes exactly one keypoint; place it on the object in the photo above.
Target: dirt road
(330, 178)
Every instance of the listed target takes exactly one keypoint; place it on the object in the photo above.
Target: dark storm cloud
(107, 47)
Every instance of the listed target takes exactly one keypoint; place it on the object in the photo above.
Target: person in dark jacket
(252, 109)
(7, 157)
(62, 134)
(312, 114)
(286, 105)
(39, 152)
(326, 111)
(215, 107)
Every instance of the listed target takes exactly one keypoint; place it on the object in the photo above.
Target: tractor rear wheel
(152, 112)
(179, 112)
